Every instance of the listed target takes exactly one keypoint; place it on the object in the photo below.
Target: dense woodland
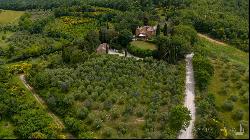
(104, 96)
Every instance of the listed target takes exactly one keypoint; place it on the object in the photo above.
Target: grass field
(230, 80)
(8, 16)
(144, 45)
(6, 130)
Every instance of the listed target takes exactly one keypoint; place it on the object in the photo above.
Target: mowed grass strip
(9, 16)
(231, 53)
(144, 45)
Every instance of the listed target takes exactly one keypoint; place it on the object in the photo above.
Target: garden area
(144, 45)
(142, 48)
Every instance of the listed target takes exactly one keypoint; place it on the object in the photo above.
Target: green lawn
(9, 16)
(6, 130)
(230, 79)
(144, 45)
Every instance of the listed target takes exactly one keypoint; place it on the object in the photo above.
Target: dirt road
(211, 39)
(189, 99)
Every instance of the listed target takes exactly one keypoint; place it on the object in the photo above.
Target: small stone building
(103, 48)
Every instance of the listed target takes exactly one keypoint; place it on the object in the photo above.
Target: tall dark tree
(103, 35)
(158, 30)
(125, 37)
(165, 29)
(90, 42)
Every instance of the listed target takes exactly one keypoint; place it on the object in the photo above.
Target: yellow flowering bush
(19, 68)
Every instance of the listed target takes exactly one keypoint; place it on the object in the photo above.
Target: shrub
(3, 37)
(107, 133)
(223, 91)
(72, 124)
(64, 87)
(38, 135)
(107, 105)
(88, 104)
(235, 76)
(128, 110)
(122, 128)
(114, 113)
(207, 128)
(233, 98)
(97, 124)
(245, 98)
(179, 118)
(81, 95)
(82, 113)
(238, 84)
(238, 114)
(140, 112)
(228, 105)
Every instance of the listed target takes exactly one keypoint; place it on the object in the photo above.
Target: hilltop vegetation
(54, 43)
(225, 20)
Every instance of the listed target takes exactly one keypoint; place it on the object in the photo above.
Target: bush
(140, 112)
(82, 113)
(245, 98)
(207, 128)
(223, 91)
(233, 98)
(238, 114)
(107, 105)
(179, 118)
(122, 128)
(88, 104)
(72, 124)
(3, 37)
(97, 124)
(114, 113)
(228, 105)
(107, 133)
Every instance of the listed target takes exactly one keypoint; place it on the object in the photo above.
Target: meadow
(9, 16)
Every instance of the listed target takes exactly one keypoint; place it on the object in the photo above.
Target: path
(111, 51)
(43, 104)
(189, 99)
(211, 39)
